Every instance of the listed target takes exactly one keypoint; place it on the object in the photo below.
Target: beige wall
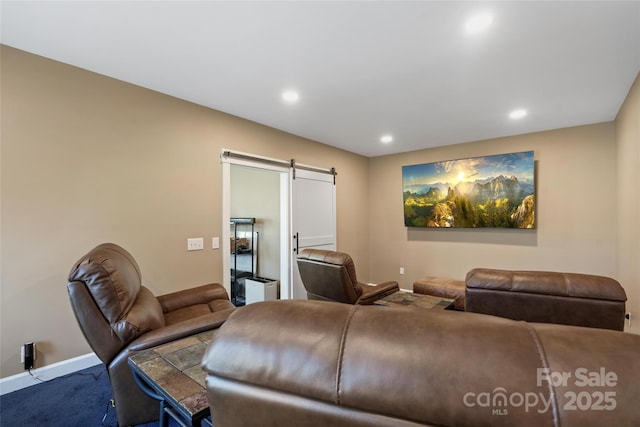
(88, 159)
(575, 214)
(587, 210)
(628, 208)
(255, 193)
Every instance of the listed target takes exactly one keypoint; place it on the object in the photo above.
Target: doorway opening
(288, 206)
(257, 192)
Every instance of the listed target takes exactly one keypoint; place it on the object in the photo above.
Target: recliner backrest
(112, 281)
(112, 277)
(329, 275)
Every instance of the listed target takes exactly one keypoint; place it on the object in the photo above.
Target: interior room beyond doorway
(255, 193)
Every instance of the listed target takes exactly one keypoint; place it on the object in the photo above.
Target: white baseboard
(46, 373)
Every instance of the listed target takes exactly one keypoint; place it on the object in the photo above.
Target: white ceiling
(362, 68)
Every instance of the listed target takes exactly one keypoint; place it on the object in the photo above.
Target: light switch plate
(195, 244)
(215, 243)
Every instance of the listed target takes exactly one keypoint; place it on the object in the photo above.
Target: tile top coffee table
(172, 374)
(415, 300)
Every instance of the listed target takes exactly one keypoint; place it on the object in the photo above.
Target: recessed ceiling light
(386, 139)
(518, 114)
(290, 96)
(478, 23)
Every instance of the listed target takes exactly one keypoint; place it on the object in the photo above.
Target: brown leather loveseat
(119, 317)
(314, 363)
(547, 297)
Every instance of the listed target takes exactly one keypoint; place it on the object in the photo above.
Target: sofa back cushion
(548, 283)
(547, 297)
(311, 363)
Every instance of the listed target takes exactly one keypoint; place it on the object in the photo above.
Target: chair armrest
(198, 295)
(180, 330)
(372, 293)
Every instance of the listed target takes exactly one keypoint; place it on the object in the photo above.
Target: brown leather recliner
(331, 276)
(119, 317)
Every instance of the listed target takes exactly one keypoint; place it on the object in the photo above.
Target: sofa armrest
(372, 293)
(180, 330)
(199, 295)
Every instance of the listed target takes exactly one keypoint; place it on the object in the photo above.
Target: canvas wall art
(491, 191)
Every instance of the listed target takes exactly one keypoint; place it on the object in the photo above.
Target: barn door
(313, 218)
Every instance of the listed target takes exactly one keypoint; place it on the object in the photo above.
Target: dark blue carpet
(80, 399)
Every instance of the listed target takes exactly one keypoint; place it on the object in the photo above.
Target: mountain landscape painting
(492, 191)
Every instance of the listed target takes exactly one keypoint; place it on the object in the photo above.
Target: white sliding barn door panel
(313, 218)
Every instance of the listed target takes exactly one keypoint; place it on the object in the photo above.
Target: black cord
(96, 377)
(111, 403)
(37, 378)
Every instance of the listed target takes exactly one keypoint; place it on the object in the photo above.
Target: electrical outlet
(195, 244)
(401, 270)
(628, 317)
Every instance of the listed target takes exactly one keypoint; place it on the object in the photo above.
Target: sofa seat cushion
(548, 283)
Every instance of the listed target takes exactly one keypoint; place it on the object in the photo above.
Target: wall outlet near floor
(628, 317)
(401, 270)
(28, 355)
(195, 244)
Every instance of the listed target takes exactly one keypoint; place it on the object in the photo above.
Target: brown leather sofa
(331, 276)
(119, 317)
(547, 297)
(313, 363)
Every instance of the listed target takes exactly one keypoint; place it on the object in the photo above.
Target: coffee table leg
(163, 421)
